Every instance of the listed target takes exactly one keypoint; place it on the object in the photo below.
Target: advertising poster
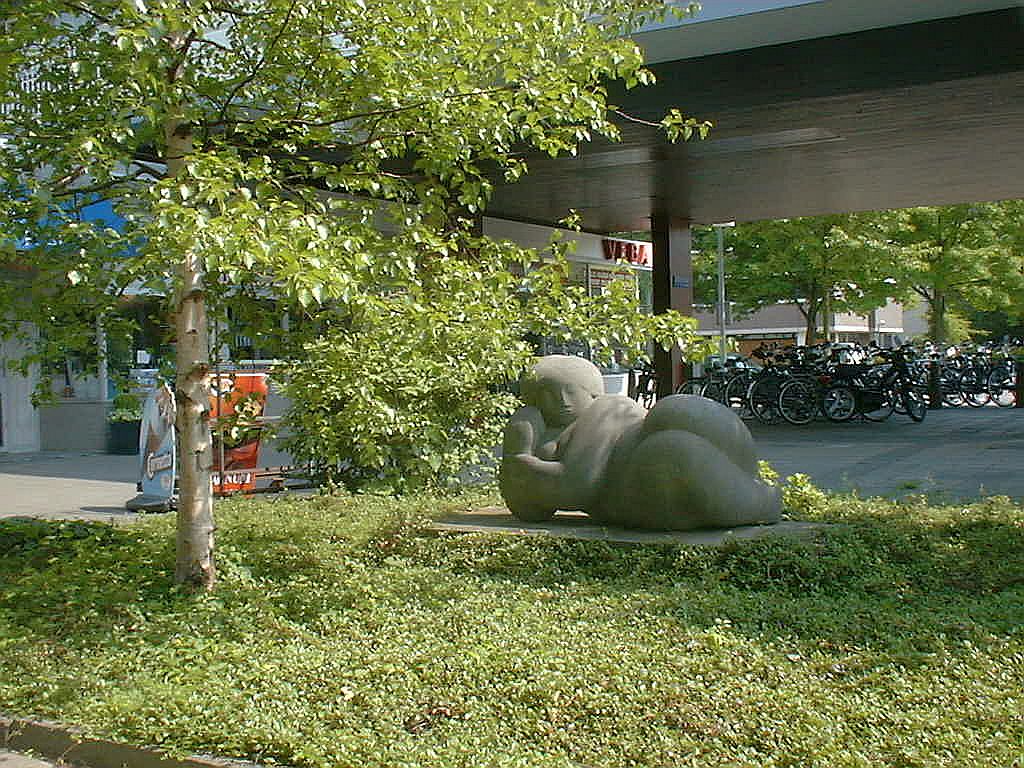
(601, 278)
(157, 446)
(236, 408)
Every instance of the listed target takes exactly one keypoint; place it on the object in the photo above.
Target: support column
(673, 288)
(20, 419)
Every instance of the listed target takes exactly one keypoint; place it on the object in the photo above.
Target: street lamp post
(720, 229)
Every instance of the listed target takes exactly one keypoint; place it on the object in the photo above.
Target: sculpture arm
(568, 472)
(523, 432)
(533, 487)
(573, 479)
(539, 479)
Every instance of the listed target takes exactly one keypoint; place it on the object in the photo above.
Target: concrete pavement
(955, 454)
(18, 760)
(90, 486)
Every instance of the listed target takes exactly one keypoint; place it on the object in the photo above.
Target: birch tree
(256, 139)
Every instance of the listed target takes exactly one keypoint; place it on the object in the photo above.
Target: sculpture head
(561, 387)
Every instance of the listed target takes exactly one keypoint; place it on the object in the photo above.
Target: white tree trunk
(194, 563)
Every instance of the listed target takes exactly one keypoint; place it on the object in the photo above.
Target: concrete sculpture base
(581, 527)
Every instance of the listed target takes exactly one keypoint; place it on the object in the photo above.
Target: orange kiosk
(237, 401)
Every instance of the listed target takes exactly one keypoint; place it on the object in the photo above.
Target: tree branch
(262, 62)
(78, 8)
(100, 187)
(635, 119)
(214, 43)
(224, 121)
(976, 281)
(309, 69)
(233, 12)
(396, 110)
(174, 70)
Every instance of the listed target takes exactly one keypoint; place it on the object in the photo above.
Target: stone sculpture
(687, 463)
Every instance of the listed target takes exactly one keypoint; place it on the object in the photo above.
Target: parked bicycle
(646, 391)
(875, 392)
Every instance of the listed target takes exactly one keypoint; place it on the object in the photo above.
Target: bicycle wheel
(878, 406)
(949, 387)
(736, 396)
(763, 397)
(691, 386)
(915, 403)
(798, 402)
(713, 390)
(838, 402)
(974, 386)
(1002, 385)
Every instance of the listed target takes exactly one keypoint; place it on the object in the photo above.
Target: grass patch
(340, 636)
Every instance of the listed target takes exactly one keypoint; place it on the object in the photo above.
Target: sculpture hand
(523, 432)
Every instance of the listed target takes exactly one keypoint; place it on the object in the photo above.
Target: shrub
(125, 407)
(407, 398)
(412, 386)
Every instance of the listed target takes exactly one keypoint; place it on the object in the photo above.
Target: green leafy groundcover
(340, 635)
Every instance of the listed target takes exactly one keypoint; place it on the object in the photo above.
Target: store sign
(156, 444)
(638, 254)
(237, 401)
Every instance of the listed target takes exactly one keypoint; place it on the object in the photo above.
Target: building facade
(784, 324)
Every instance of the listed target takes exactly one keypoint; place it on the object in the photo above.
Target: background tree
(821, 265)
(244, 140)
(961, 259)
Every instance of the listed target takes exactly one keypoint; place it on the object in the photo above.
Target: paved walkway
(17, 760)
(91, 486)
(954, 454)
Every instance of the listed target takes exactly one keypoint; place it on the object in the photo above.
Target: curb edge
(67, 743)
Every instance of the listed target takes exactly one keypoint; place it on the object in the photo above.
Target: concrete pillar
(20, 419)
(673, 288)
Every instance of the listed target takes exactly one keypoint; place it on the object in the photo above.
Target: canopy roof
(819, 106)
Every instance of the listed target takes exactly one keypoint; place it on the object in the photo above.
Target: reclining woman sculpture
(688, 463)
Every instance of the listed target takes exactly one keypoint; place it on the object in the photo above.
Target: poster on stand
(157, 452)
(157, 443)
(237, 401)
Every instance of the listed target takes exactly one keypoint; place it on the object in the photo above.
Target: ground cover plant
(342, 635)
